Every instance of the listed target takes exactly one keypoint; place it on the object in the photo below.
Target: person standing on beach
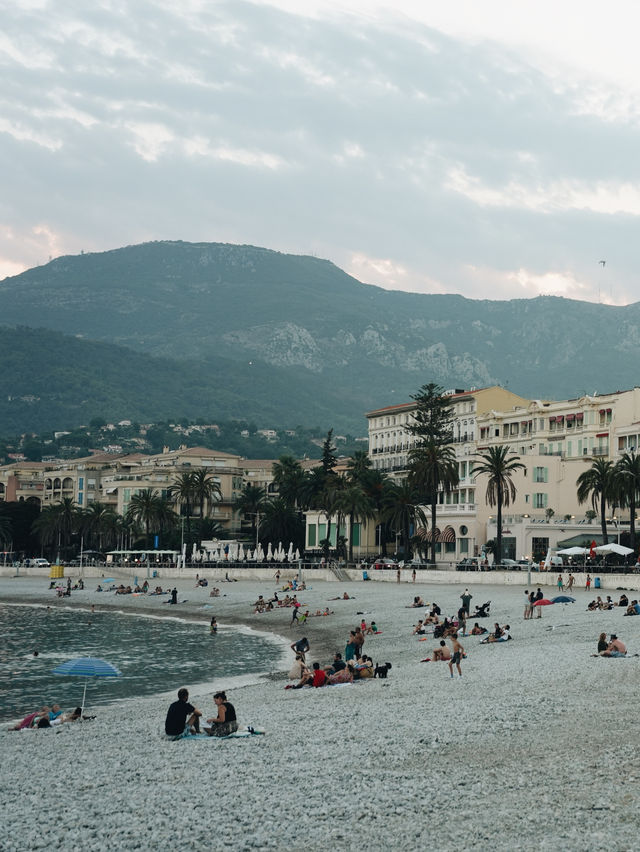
(413, 576)
(466, 600)
(572, 580)
(560, 583)
(587, 585)
(398, 572)
(277, 577)
(458, 651)
(539, 596)
(174, 595)
(527, 605)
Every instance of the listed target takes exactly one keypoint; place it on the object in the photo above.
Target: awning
(580, 540)
(560, 418)
(570, 418)
(580, 416)
(603, 411)
(552, 420)
(602, 435)
(447, 536)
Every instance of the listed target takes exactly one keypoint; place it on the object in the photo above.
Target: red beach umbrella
(544, 602)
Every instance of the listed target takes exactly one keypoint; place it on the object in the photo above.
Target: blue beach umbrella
(87, 667)
(563, 599)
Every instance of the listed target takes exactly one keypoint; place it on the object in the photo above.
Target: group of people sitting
(183, 719)
(612, 647)
(500, 634)
(338, 671)
(47, 717)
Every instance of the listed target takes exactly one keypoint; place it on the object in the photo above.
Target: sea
(156, 655)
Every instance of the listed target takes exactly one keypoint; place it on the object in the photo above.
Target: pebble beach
(532, 748)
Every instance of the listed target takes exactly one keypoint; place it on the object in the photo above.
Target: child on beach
(458, 651)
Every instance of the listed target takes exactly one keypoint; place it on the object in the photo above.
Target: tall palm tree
(401, 509)
(205, 489)
(599, 484)
(280, 522)
(499, 467)
(289, 478)
(249, 502)
(628, 476)
(433, 466)
(182, 492)
(96, 520)
(356, 504)
(358, 466)
(57, 521)
(5, 528)
(150, 509)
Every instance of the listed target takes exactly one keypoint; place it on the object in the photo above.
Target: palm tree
(150, 509)
(97, 519)
(628, 476)
(355, 503)
(249, 502)
(280, 522)
(433, 466)
(598, 483)
(499, 469)
(205, 489)
(401, 509)
(358, 466)
(182, 492)
(5, 528)
(57, 521)
(289, 479)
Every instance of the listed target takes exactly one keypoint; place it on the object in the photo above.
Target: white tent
(573, 551)
(620, 549)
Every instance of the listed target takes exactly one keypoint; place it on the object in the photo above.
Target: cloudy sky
(489, 149)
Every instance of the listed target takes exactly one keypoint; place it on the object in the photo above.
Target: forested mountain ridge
(344, 346)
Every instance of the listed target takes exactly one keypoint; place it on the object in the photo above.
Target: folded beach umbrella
(87, 667)
(563, 599)
(543, 602)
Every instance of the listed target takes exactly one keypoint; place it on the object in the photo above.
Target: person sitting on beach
(602, 645)
(441, 653)
(476, 630)
(337, 665)
(599, 602)
(225, 722)
(418, 629)
(431, 618)
(417, 602)
(364, 667)
(372, 628)
(99, 589)
(592, 605)
(214, 593)
(496, 636)
(319, 676)
(633, 608)
(74, 716)
(182, 718)
(297, 668)
(306, 678)
(345, 675)
(624, 600)
(615, 648)
(259, 605)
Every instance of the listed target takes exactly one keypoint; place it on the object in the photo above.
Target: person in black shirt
(225, 722)
(182, 717)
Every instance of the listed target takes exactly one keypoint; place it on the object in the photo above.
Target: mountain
(326, 346)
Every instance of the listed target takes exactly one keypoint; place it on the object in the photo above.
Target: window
(311, 535)
(356, 535)
(539, 501)
(464, 545)
(450, 547)
(541, 474)
(539, 548)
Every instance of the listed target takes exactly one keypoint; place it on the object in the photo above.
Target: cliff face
(366, 346)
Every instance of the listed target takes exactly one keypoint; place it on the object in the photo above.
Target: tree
(433, 416)
(628, 475)
(153, 511)
(205, 489)
(58, 521)
(97, 520)
(289, 479)
(329, 459)
(598, 483)
(280, 522)
(182, 492)
(249, 502)
(499, 469)
(5, 528)
(401, 509)
(433, 467)
(358, 467)
(355, 504)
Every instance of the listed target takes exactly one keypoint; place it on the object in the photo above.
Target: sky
(486, 149)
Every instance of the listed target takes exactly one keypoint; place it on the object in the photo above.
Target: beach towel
(249, 731)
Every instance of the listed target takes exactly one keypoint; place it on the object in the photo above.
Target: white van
(37, 563)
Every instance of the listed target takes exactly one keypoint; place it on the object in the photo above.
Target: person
(458, 651)
(602, 644)
(465, 597)
(174, 595)
(225, 722)
(182, 718)
(615, 648)
(337, 665)
(345, 675)
(572, 580)
(372, 628)
(418, 629)
(462, 620)
(560, 583)
(297, 668)
(350, 647)
(539, 596)
(398, 572)
(442, 652)
(527, 606)
(319, 676)
(306, 678)
(359, 641)
(300, 647)
(476, 630)
(587, 584)
(277, 577)
(213, 627)
(364, 667)
(413, 576)
(624, 600)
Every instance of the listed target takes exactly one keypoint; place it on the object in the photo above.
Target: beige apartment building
(554, 440)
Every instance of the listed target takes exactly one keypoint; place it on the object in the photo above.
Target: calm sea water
(154, 655)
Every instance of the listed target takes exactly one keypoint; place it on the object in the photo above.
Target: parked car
(384, 562)
(468, 564)
(37, 563)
